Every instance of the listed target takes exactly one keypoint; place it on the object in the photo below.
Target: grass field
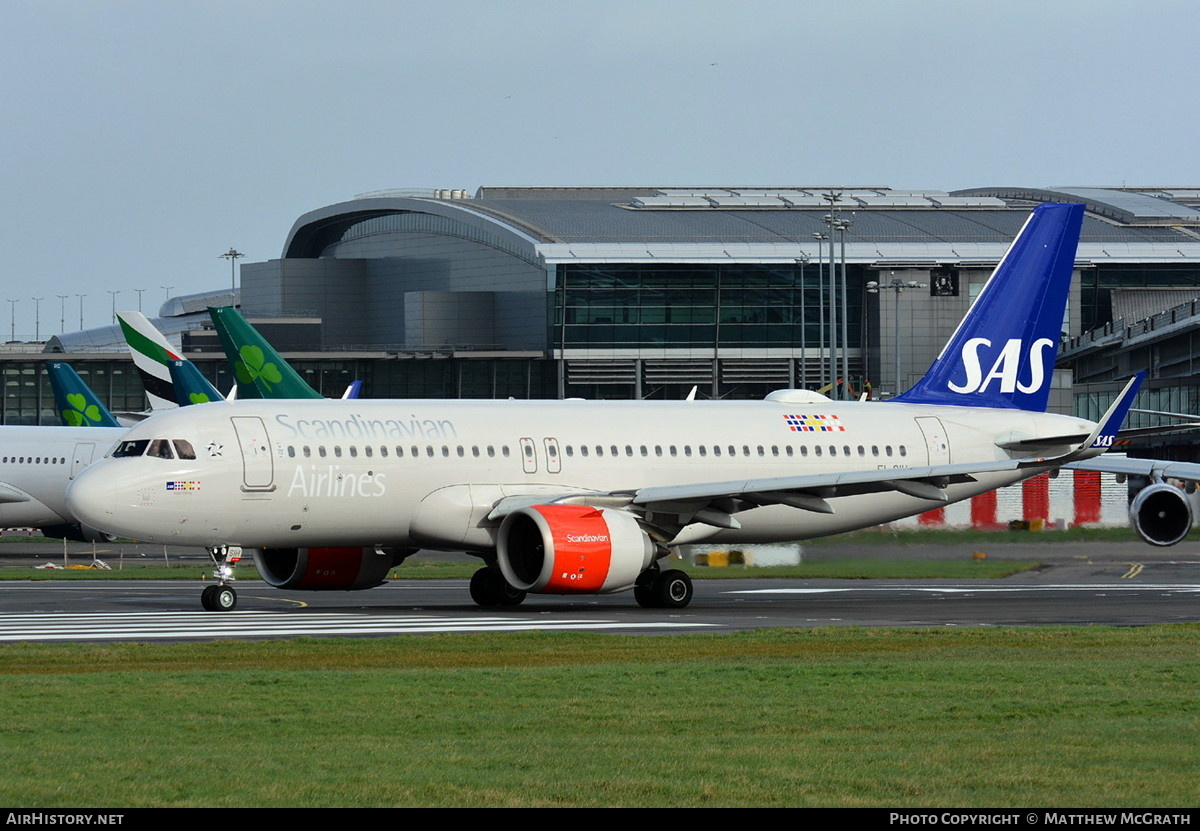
(1005, 717)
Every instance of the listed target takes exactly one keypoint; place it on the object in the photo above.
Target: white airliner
(37, 464)
(580, 497)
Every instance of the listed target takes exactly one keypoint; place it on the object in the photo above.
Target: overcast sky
(142, 139)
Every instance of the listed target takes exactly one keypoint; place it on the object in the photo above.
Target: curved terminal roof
(1128, 207)
(176, 316)
(112, 339)
(186, 304)
(550, 224)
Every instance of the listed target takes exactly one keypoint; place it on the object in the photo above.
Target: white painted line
(199, 625)
(1092, 587)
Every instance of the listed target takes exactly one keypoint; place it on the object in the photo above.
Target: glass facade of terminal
(1096, 284)
(678, 306)
(732, 330)
(29, 400)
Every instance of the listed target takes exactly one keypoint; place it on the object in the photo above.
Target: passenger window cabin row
(686, 451)
(182, 449)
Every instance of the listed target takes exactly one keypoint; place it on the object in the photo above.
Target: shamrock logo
(80, 412)
(253, 368)
(198, 397)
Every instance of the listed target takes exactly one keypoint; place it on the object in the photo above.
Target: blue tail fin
(1002, 354)
(77, 405)
(190, 386)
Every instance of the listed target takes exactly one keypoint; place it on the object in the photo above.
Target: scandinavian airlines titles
(1005, 368)
(357, 427)
(329, 480)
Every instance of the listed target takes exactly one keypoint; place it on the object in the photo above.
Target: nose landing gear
(222, 597)
(218, 598)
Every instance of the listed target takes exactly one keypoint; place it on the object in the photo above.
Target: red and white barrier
(1074, 498)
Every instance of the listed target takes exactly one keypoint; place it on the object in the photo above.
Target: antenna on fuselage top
(691, 396)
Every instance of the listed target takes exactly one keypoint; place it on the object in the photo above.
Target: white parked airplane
(37, 464)
(579, 497)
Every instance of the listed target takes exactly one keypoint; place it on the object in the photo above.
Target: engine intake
(323, 569)
(572, 549)
(1161, 514)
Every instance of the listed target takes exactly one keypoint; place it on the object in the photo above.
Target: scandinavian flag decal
(814, 423)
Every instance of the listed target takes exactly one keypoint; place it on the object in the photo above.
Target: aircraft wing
(714, 503)
(1156, 469)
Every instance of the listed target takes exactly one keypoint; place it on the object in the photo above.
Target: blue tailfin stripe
(1003, 352)
(191, 387)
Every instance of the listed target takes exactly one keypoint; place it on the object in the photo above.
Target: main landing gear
(671, 589)
(221, 597)
(489, 588)
(654, 589)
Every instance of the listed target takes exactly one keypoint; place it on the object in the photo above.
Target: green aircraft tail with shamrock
(260, 371)
(77, 405)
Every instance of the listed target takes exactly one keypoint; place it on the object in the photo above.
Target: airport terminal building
(649, 292)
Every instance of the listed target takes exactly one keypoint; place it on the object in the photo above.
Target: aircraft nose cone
(91, 498)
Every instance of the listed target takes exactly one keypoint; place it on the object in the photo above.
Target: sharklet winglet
(1102, 436)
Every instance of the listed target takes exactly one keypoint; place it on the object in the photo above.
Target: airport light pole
(114, 304)
(12, 319)
(820, 238)
(81, 296)
(37, 318)
(843, 225)
(831, 311)
(802, 261)
(897, 286)
(232, 255)
(62, 312)
(139, 294)
(832, 220)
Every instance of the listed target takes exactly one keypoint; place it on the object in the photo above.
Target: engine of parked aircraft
(572, 549)
(320, 569)
(1161, 514)
(75, 533)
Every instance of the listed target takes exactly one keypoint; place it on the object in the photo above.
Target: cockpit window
(161, 449)
(131, 448)
(156, 448)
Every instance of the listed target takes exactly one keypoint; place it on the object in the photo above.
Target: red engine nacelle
(572, 549)
(318, 569)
